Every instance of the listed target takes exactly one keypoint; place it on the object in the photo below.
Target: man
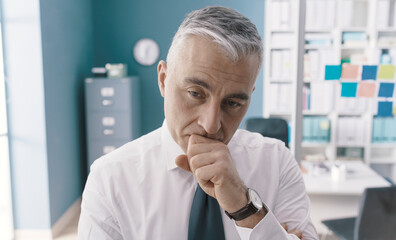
(151, 188)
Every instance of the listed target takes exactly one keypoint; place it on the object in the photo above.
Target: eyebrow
(239, 95)
(198, 82)
(242, 96)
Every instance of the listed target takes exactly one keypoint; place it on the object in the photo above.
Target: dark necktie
(205, 218)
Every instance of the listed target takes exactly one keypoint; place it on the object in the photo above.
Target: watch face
(255, 198)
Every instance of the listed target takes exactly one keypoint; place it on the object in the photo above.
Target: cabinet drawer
(97, 149)
(103, 125)
(108, 94)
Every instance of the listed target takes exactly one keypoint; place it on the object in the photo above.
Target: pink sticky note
(350, 71)
(366, 89)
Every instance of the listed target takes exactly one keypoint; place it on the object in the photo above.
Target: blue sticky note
(332, 72)
(385, 109)
(386, 90)
(369, 72)
(348, 89)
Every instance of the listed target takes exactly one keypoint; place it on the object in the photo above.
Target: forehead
(201, 58)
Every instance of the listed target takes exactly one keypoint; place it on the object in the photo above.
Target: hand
(210, 162)
(296, 232)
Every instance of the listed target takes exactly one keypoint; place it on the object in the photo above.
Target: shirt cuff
(267, 228)
(244, 233)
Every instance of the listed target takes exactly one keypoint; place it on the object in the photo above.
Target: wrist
(239, 202)
(252, 210)
(253, 220)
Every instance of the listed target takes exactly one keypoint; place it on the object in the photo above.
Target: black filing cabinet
(112, 108)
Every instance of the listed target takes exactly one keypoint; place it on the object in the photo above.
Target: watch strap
(243, 213)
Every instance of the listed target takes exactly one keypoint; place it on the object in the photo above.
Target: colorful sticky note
(369, 72)
(386, 89)
(385, 109)
(350, 71)
(332, 72)
(394, 110)
(366, 89)
(386, 72)
(348, 89)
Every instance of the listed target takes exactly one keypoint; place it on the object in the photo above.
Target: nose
(210, 118)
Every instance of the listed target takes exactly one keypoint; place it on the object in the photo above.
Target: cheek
(232, 122)
(178, 108)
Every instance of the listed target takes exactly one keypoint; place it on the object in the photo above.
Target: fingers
(182, 162)
(284, 226)
(203, 159)
(205, 174)
(196, 145)
(202, 152)
(198, 148)
(196, 139)
(296, 232)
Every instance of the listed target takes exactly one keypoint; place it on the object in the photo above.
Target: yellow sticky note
(394, 110)
(386, 72)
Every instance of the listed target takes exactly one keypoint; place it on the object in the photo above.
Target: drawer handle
(107, 102)
(107, 92)
(108, 132)
(108, 121)
(107, 149)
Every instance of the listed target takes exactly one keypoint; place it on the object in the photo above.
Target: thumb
(182, 162)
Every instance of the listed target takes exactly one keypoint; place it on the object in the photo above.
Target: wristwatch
(255, 204)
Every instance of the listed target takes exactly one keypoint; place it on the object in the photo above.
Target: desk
(337, 199)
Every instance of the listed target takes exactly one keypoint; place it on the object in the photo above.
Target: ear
(254, 88)
(161, 70)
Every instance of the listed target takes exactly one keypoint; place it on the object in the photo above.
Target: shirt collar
(170, 148)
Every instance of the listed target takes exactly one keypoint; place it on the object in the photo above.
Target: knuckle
(193, 163)
(222, 165)
(219, 146)
(198, 173)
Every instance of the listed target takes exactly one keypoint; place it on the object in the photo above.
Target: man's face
(205, 93)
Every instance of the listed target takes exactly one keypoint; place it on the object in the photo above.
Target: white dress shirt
(138, 192)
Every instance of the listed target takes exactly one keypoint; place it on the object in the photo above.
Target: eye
(195, 94)
(232, 104)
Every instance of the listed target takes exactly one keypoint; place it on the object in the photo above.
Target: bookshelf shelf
(317, 47)
(281, 48)
(350, 114)
(383, 161)
(284, 81)
(319, 30)
(387, 30)
(315, 145)
(348, 47)
(354, 29)
(280, 113)
(282, 31)
(386, 46)
(383, 145)
(352, 145)
(314, 113)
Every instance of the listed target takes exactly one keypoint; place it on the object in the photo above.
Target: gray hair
(232, 31)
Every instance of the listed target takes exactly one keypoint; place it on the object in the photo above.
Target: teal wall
(66, 28)
(119, 24)
(48, 51)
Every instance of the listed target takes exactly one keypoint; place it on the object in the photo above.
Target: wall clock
(146, 51)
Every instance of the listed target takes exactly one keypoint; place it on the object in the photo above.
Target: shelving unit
(335, 32)
(284, 20)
